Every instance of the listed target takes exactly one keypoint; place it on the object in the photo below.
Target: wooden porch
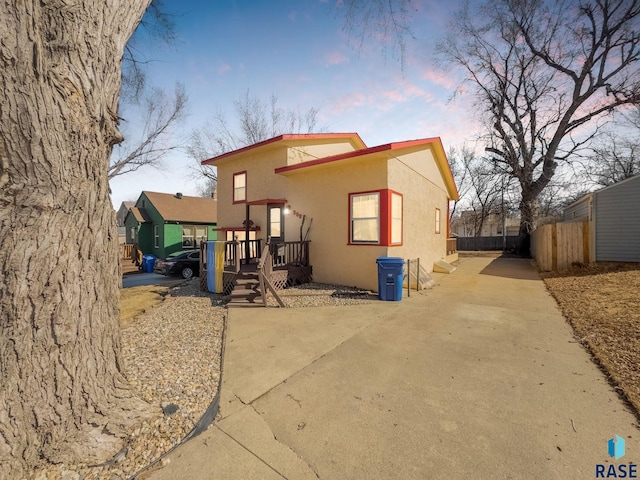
(269, 269)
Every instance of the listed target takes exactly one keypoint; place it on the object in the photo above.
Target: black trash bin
(390, 278)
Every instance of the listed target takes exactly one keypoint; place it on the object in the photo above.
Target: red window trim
(391, 244)
(384, 234)
(233, 187)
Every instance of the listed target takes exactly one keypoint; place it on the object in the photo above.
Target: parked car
(185, 263)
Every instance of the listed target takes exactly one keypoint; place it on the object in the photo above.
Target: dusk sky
(297, 49)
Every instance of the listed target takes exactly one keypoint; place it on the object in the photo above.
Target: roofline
(596, 192)
(441, 159)
(580, 200)
(285, 137)
(635, 177)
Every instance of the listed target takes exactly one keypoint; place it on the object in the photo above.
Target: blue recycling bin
(148, 262)
(390, 278)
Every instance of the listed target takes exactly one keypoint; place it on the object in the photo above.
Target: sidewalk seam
(251, 452)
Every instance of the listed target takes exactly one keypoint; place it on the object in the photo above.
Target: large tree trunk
(528, 207)
(63, 397)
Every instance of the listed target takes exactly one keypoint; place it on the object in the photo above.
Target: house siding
(305, 153)
(131, 222)
(146, 233)
(416, 176)
(261, 184)
(617, 216)
(323, 195)
(172, 239)
(578, 211)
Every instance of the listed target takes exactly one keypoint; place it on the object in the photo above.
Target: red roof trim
(300, 136)
(357, 153)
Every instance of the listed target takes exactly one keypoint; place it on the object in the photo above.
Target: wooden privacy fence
(557, 246)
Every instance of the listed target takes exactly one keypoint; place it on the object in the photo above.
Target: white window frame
(201, 238)
(192, 242)
(156, 236)
(239, 193)
(353, 221)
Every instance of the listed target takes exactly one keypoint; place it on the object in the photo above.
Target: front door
(275, 231)
(275, 222)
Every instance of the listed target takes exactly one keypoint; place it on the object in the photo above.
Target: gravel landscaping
(172, 359)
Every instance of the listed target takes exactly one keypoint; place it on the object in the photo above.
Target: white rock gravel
(172, 358)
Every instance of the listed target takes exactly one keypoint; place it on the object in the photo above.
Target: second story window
(240, 187)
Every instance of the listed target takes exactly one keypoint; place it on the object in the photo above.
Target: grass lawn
(137, 300)
(602, 303)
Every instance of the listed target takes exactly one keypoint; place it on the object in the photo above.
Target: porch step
(245, 304)
(246, 291)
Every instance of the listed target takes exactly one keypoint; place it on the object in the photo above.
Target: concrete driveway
(479, 377)
(144, 279)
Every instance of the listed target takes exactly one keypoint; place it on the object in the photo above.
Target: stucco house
(360, 202)
(163, 223)
(613, 214)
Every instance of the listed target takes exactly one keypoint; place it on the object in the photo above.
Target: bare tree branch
(155, 140)
(256, 120)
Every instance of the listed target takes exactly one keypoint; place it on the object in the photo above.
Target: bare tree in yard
(484, 192)
(615, 155)
(63, 397)
(543, 75)
(156, 112)
(458, 159)
(256, 120)
(153, 142)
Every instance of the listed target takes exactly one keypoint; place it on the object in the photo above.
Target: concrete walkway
(479, 377)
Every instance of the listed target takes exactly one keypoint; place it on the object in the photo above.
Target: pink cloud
(438, 77)
(224, 68)
(407, 92)
(335, 58)
(350, 102)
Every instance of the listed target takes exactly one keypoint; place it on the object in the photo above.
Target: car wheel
(187, 273)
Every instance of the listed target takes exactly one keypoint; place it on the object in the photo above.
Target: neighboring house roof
(140, 214)
(614, 185)
(580, 200)
(291, 140)
(390, 150)
(184, 209)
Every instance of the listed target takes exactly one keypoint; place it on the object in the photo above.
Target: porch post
(247, 247)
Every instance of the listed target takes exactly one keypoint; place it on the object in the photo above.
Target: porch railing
(127, 250)
(290, 253)
(452, 245)
(230, 251)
